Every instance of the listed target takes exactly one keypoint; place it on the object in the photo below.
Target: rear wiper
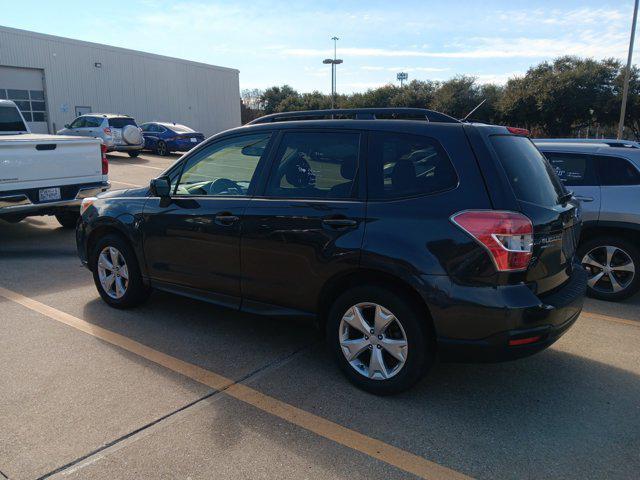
(566, 197)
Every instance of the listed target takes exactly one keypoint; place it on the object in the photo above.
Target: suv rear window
(10, 120)
(121, 122)
(530, 174)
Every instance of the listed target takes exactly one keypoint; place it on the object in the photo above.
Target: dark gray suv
(605, 176)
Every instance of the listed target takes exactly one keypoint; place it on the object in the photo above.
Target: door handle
(583, 199)
(339, 222)
(226, 218)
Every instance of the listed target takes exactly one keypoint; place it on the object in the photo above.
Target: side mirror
(161, 187)
(66, 125)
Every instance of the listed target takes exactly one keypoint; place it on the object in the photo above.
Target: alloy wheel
(373, 341)
(611, 269)
(113, 272)
(162, 149)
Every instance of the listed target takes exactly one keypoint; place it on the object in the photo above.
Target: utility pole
(333, 62)
(627, 73)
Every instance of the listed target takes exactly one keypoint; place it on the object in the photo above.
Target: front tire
(116, 273)
(613, 267)
(68, 219)
(134, 153)
(380, 339)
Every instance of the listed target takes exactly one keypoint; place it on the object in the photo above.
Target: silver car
(119, 133)
(605, 177)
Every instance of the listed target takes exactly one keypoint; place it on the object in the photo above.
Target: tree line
(568, 96)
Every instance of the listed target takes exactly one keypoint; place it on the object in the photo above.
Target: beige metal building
(54, 79)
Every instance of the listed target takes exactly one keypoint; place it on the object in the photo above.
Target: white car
(46, 174)
(119, 133)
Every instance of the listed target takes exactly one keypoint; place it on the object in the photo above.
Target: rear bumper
(124, 148)
(182, 146)
(23, 204)
(524, 318)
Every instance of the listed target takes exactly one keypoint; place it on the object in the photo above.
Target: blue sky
(274, 42)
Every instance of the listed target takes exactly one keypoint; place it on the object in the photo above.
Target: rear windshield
(121, 122)
(10, 120)
(532, 178)
(180, 128)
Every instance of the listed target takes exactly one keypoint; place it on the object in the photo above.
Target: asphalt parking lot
(182, 389)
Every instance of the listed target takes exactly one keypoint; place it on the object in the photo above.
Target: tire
(625, 257)
(410, 326)
(134, 153)
(135, 291)
(68, 219)
(161, 149)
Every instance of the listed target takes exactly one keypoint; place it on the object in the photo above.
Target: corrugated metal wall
(146, 86)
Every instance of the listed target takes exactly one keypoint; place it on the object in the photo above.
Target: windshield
(10, 120)
(530, 174)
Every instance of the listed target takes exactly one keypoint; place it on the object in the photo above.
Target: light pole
(402, 76)
(333, 62)
(627, 73)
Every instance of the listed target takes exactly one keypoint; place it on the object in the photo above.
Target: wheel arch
(593, 230)
(108, 228)
(342, 282)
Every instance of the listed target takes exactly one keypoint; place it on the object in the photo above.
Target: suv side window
(617, 171)
(223, 168)
(402, 165)
(573, 169)
(78, 123)
(320, 165)
(92, 122)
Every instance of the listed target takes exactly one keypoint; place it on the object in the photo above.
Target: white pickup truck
(46, 174)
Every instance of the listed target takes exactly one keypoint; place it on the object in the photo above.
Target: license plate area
(49, 194)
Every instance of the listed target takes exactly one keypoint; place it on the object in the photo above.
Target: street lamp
(333, 62)
(625, 88)
(402, 76)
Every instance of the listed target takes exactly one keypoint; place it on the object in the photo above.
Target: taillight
(107, 131)
(105, 162)
(507, 236)
(519, 131)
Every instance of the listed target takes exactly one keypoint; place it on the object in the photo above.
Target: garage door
(25, 86)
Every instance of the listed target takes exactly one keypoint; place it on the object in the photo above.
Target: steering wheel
(222, 184)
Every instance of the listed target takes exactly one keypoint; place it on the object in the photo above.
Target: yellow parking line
(124, 183)
(377, 449)
(608, 318)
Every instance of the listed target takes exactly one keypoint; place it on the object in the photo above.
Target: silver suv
(605, 176)
(119, 133)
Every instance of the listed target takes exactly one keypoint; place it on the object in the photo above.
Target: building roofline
(101, 46)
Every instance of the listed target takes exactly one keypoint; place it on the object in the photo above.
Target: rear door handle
(339, 222)
(583, 199)
(226, 218)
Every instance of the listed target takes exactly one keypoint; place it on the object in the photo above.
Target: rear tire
(68, 219)
(162, 149)
(625, 257)
(374, 368)
(125, 291)
(133, 153)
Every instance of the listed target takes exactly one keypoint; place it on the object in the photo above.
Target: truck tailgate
(34, 161)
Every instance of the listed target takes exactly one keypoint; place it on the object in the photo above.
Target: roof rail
(359, 114)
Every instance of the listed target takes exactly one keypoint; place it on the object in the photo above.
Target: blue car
(164, 138)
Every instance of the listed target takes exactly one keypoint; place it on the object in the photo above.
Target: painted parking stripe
(377, 449)
(608, 318)
(136, 165)
(124, 183)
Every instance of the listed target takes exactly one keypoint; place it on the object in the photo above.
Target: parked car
(164, 138)
(119, 133)
(605, 177)
(46, 174)
(405, 239)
